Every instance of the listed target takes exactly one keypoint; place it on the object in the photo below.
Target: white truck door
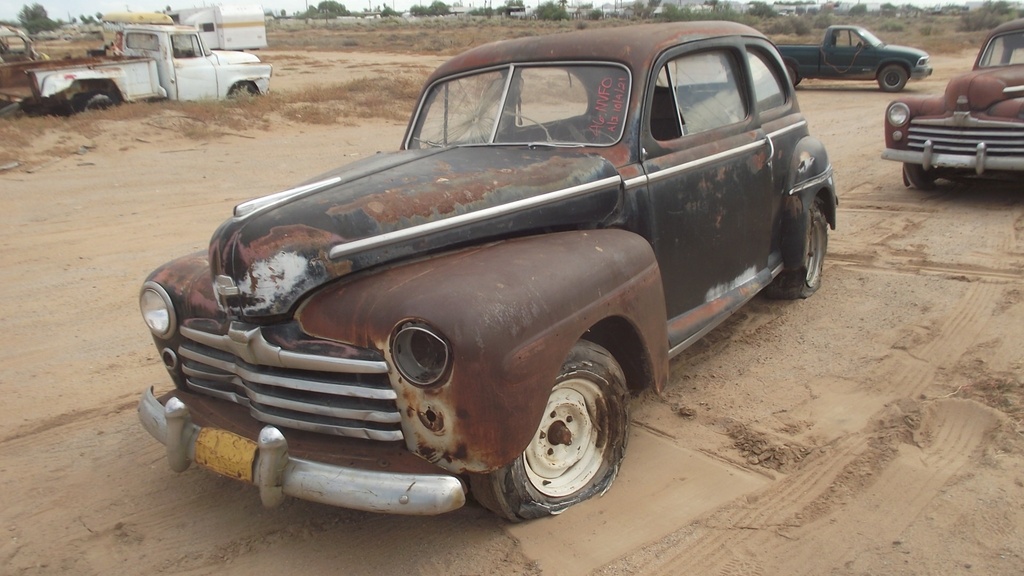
(195, 72)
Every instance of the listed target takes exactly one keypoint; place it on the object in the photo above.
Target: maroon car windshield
(554, 104)
(1004, 50)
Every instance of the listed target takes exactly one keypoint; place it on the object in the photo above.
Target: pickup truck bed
(41, 79)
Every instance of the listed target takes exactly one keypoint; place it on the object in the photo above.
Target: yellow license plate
(225, 453)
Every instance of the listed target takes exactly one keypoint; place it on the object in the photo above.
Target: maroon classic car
(975, 129)
(471, 313)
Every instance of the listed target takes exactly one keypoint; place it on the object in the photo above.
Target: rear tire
(892, 78)
(793, 76)
(97, 100)
(915, 176)
(577, 448)
(804, 281)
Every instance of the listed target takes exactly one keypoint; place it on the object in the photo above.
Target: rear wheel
(804, 281)
(577, 448)
(915, 176)
(793, 76)
(96, 100)
(892, 78)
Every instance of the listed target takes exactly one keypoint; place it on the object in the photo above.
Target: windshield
(1004, 50)
(559, 104)
(870, 38)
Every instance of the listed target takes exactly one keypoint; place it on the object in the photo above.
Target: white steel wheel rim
(564, 455)
(817, 253)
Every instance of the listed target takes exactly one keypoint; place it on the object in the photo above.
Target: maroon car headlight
(421, 354)
(898, 114)
(157, 310)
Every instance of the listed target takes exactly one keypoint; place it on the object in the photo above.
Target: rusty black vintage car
(471, 313)
(975, 130)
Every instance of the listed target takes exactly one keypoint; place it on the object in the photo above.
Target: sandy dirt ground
(874, 428)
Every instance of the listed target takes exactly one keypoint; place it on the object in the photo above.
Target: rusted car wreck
(975, 130)
(471, 313)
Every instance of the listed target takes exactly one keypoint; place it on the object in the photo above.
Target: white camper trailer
(227, 27)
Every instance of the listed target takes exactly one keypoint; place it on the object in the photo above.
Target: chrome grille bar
(313, 393)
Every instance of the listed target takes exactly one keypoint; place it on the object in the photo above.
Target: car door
(709, 184)
(194, 71)
(850, 55)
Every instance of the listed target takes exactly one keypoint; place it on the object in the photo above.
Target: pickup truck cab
(854, 53)
(975, 129)
(474, 310)
(16, 46)
(147, 62)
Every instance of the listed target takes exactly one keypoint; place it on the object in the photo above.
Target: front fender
(511, 311)
(810, 178)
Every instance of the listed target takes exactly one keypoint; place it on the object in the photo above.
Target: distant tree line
(34, 18)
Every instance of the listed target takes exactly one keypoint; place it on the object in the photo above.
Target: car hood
(226, 57)
(401, 205)
(986, 87)
(905, 50)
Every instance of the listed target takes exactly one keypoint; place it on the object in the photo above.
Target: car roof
(635, 46)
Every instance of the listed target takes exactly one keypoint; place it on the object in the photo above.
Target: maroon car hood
(986, 87)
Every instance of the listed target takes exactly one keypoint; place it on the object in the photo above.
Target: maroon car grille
(997, 140)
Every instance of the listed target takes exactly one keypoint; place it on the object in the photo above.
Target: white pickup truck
(147, 63)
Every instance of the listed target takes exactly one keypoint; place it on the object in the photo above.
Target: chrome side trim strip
(246, 208)
(342, 250)
(668, 172)
(789, 128)
(818, 180)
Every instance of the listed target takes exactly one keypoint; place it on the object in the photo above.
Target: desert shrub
(990, 15)
(891, 26)
(823, 20)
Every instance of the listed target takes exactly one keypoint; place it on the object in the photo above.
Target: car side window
(706, 90)
(185, 46)
(141, 41)
(767, 89)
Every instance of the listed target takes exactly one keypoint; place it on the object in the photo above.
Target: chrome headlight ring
(157, 310)
(898, 114)
(421, 354)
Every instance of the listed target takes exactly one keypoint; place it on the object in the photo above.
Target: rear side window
(141, 41)
(706, 90)
(767, 87)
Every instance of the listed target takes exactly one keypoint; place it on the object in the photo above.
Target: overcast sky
(66, 9)
(61, 9)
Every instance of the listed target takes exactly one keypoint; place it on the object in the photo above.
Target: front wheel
(243, 89)
(577, 448)
(915, 176)
(892, 78)
(804, 281)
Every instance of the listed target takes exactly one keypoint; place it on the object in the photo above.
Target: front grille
(999, 138)
(291, 389)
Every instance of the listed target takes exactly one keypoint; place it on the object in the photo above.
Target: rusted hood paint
(986, 87)
(383, 205)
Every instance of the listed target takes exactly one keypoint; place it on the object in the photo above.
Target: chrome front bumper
(980, 162)
(266, 464)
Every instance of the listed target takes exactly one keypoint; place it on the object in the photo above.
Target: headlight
(157, 310)
(898, 114)
(421, 355)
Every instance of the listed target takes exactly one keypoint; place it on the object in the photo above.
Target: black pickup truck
(854, 53)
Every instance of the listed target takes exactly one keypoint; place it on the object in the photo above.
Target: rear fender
(510, 312)
(810, 178)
